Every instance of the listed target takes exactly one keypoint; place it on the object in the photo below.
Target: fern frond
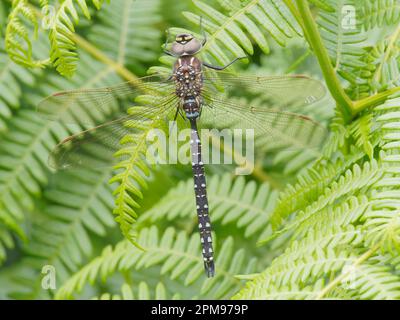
(341, 223)
(61, 30)
(12, 76)
(23, 168)
(6, 243)
(342, 44)
(376, 13)
(132, 169)
(144, 292)
(75, 208)
(230, 201)
(288, 275)
(310, 184)
(361, 130)
(174, 254)
(24, 149)
(383, 226)
(382, 223)
(3, 18)
(348, 184)
(80, 202)
(380, 68)
(17, 37)
(233, 32)
(348, 212)
(128, 31)
(369, 281)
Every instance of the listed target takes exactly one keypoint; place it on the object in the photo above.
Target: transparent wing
(94, 148)
(271, 128)
(74, 106)
(280, 92)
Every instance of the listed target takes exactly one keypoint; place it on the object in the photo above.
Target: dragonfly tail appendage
(201, 200)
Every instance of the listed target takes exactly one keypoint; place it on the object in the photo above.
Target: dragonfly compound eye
(185, 44)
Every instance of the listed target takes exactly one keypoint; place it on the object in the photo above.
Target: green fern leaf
(342, 43)
(373, 282)
(175, 254)
(285, 276)
(230, 202)
(361, 131)
(144, 292)
(63, 49)
(12, 76)
(128, 38)
(231, 32)
(6, 243)
(378, 12)
(17, 37)
(78, 203)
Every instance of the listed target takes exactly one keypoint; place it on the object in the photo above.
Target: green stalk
(376, 99)
(100, 56)
(298, 62)
(310, 29)
(331, 285)
(294, 12)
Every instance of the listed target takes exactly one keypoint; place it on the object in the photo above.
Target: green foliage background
(329, 224)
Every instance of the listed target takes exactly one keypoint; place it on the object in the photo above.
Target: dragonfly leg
(165, 45)
(222, 67)
(168, 53)
(166, 39)
(182, 115)
(180, 111)
(203, 32)
(176, 114)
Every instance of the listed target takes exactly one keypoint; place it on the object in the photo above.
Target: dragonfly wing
(287, 93)
(94, 148)
(81, 106)
(271, 128)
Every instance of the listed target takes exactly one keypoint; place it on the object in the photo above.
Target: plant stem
(310, 28)
(393, 39)
(376, 99)
(294, 12)
(298, 62)
(343, 276)
(96, 53)
(257, 171)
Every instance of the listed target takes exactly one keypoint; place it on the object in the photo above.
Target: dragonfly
(197, 92)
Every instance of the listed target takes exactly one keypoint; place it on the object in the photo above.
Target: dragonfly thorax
(188, 84)
(188, 78)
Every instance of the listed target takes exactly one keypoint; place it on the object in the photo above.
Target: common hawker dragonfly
(196, 92)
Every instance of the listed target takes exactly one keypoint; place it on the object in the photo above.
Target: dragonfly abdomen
(201, 200)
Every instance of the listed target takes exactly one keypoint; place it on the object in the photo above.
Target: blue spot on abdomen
(191, 115)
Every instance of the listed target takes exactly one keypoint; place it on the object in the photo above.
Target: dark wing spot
(67, 139)
(305, 117)
(300, 76)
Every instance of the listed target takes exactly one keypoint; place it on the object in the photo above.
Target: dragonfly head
(185, 44)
